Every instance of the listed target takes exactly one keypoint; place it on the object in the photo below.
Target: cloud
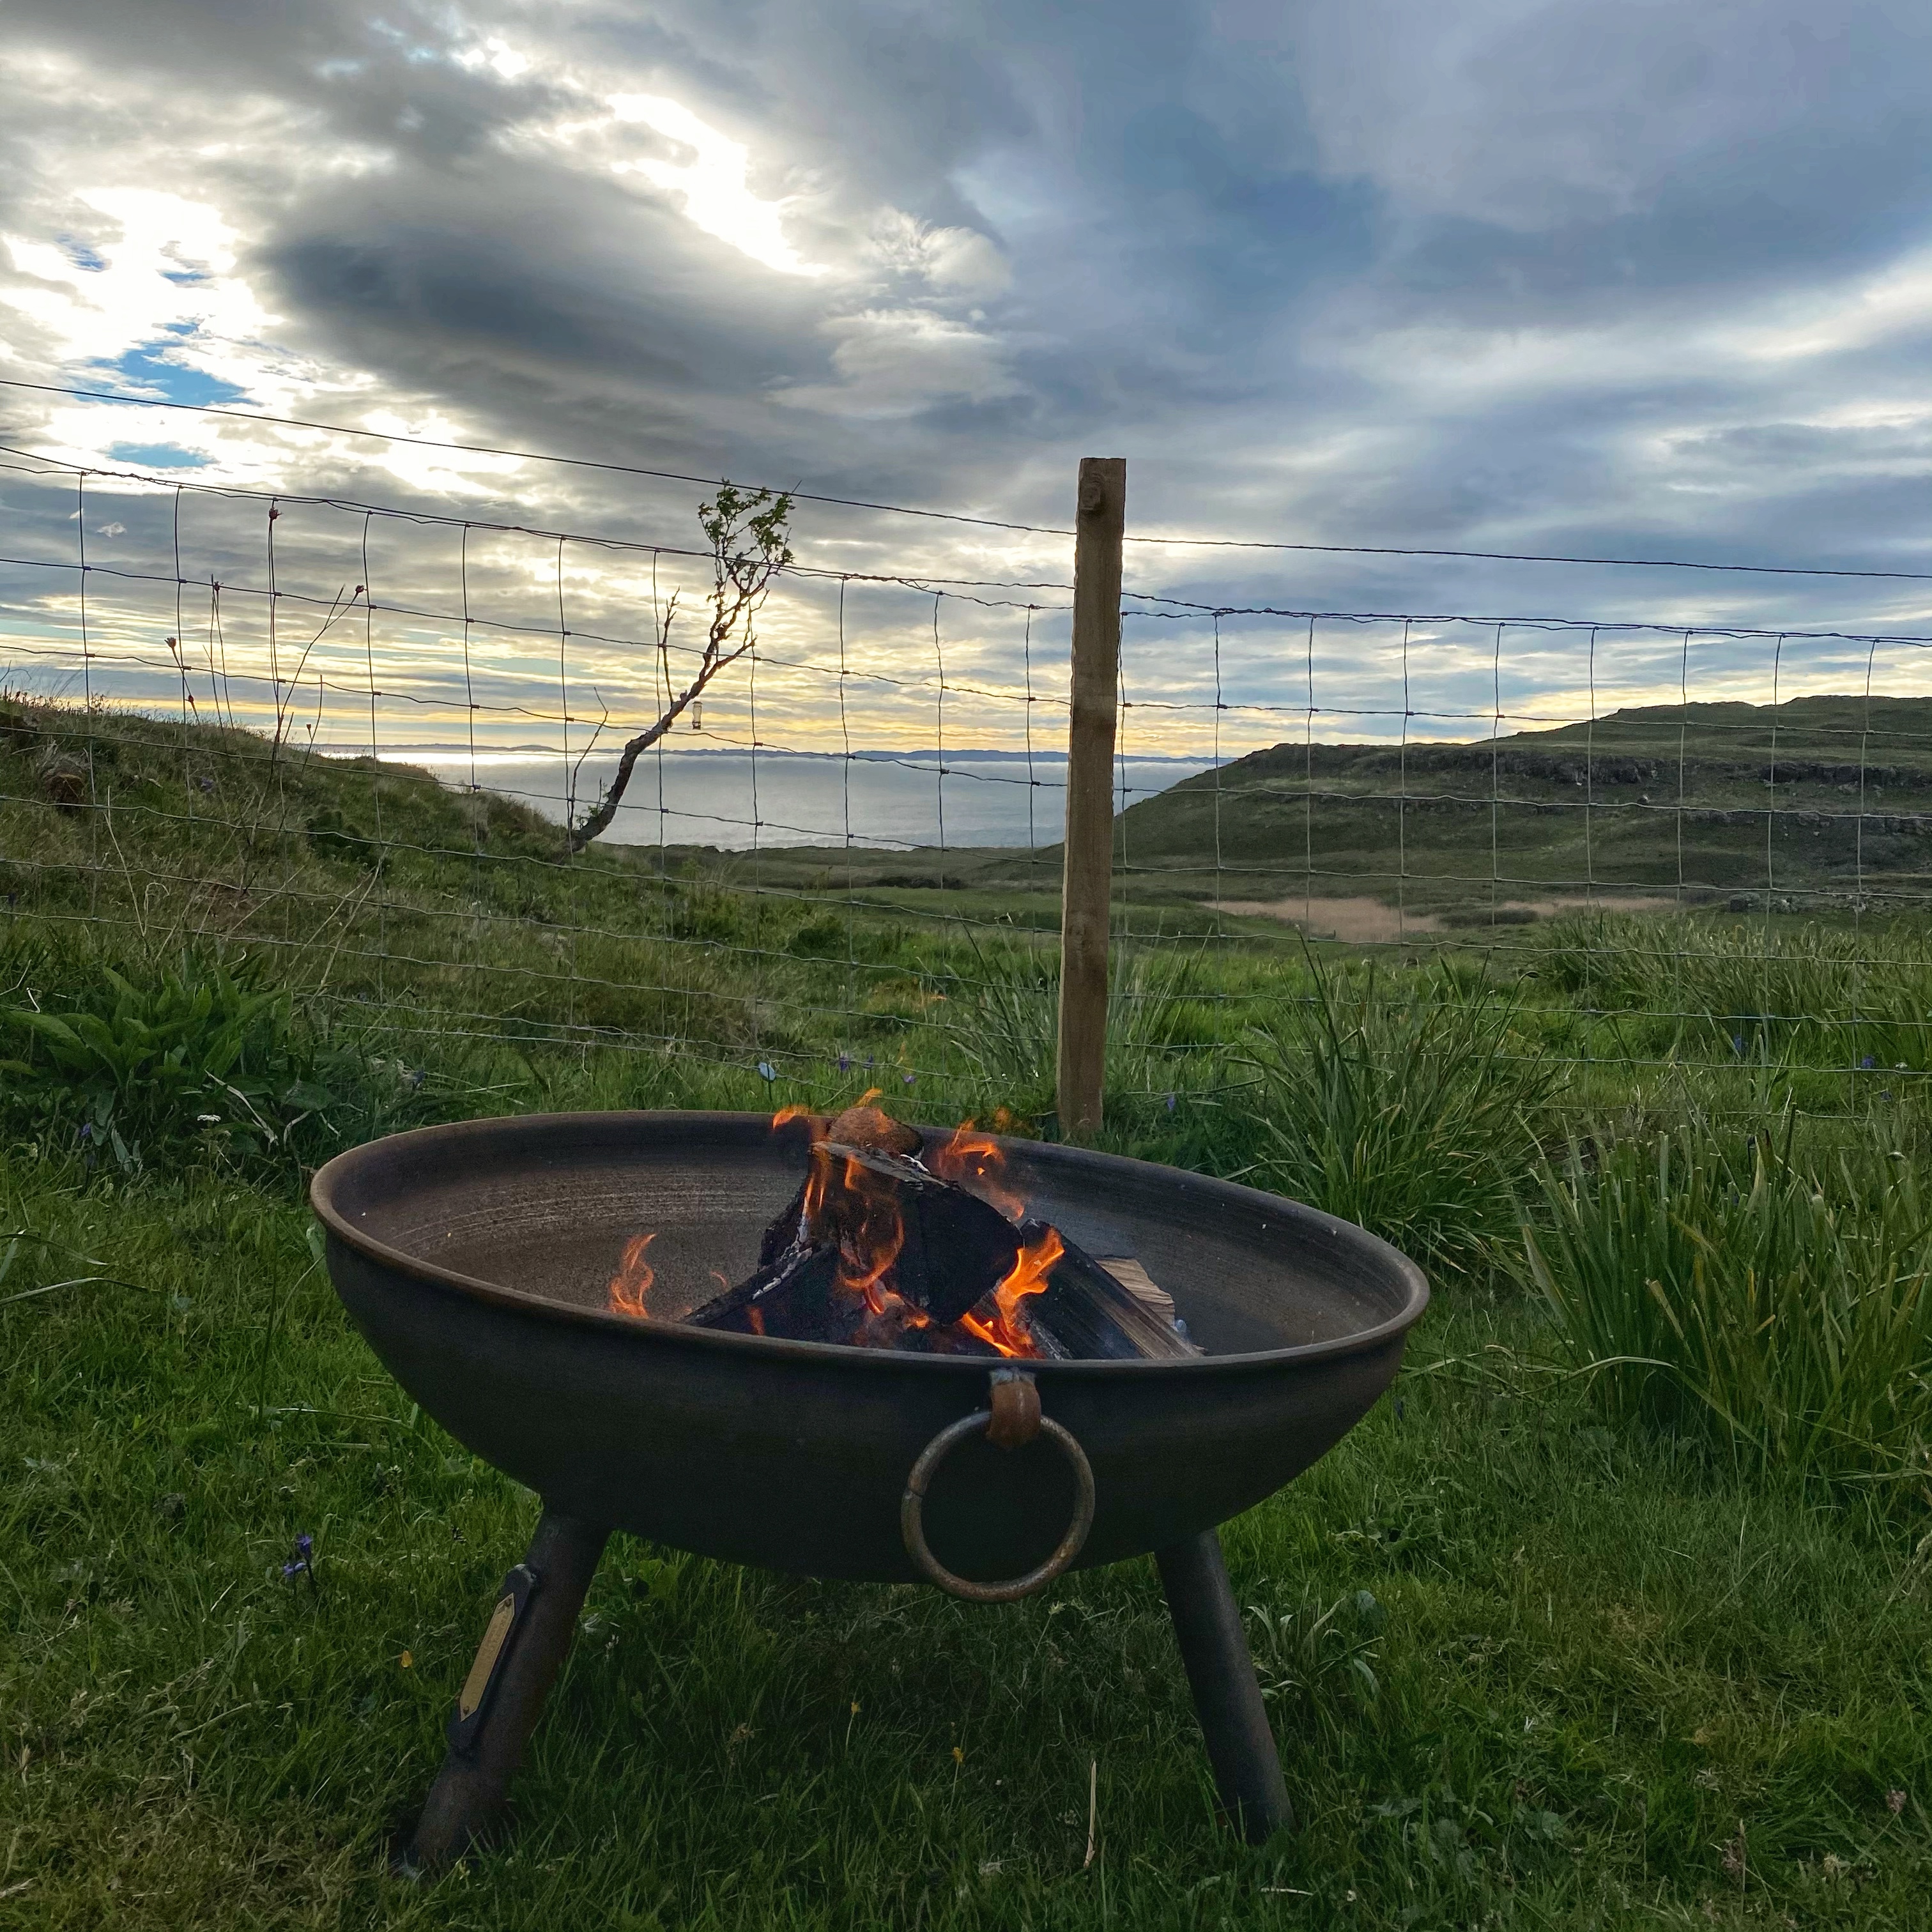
(959, 261)
(895, 361)
(1609, 277)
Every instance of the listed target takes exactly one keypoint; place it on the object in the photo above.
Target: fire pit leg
(1227, 1698)
(523, 1647)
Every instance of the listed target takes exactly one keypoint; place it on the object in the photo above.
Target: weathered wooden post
(1087, 886)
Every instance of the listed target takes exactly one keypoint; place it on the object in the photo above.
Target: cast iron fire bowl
(475, 1257)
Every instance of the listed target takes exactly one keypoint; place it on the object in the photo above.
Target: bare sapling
(747, 532)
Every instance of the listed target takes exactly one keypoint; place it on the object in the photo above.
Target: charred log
(877, 1250)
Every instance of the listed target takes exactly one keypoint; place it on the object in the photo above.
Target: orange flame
(792, 1112)
(1002, 1325)
(871, 1232)
(817, 1191)
(632, 1281)
(846, 1203)
(970, 1160)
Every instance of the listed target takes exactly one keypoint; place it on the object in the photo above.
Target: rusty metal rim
(867, 1360)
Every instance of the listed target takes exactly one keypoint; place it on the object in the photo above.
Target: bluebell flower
(907, 1078)
(766, 1071)
(1867, 1062)
(302, 1563)
(1170, 1103)
(1737, 1042)
(844, 1062)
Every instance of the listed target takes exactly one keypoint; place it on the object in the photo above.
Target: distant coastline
(440, 752)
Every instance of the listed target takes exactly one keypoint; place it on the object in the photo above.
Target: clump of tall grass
(1824, 996)
(1777, 1304)
(1002, 1022)
(1412, 1108)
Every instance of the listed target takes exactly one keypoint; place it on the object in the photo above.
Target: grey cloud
(1214, 236)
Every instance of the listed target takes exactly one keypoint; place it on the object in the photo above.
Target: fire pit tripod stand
(475, 1258)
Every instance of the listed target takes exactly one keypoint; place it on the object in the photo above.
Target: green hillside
(1817, 799)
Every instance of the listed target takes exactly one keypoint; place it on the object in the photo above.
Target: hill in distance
(1823, 800)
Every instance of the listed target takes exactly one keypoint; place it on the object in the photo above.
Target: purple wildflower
(302, 1561)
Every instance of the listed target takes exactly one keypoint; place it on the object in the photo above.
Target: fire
(632, 1281)
(970, 1159)
(848, 1203)
(865, 1214)
(872, 1232)
(1000, 1325)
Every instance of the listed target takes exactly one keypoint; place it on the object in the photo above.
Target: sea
(888, 800)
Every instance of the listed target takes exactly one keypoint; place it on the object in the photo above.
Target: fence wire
(350, 736)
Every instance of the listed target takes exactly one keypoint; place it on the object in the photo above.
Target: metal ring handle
(912, 1513)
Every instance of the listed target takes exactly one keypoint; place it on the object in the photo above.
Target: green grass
(1596, 1655)
(1413, 1116)
(1538, 1655)
(1780, 1304)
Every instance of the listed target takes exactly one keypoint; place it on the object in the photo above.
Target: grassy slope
(1605, 802)
(403, 904)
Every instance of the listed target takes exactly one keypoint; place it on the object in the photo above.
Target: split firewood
(1089, 1312)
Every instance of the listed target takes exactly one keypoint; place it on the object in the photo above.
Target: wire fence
(353, 734)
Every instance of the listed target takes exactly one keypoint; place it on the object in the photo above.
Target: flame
(817, 1189)
(871, 1233)
(847, 1203)
(632, 1281)
(792, 1112)
(971, 1160)
(1001, 1325)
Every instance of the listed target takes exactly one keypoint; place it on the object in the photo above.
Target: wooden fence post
(1086, 890)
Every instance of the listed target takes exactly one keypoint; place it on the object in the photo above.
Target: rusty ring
(912, 1509)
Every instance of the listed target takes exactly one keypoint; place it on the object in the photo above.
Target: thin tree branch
(747, 529)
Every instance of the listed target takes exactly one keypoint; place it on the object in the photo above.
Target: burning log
(793, 1295)
(886, 1212)
(885, 1246)
(875, 1250)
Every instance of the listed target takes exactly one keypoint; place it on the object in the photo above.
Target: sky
(1601, 278)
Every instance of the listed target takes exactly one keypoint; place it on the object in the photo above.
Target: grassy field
(1547, 1643)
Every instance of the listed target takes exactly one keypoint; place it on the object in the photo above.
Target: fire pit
(497, 1268)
